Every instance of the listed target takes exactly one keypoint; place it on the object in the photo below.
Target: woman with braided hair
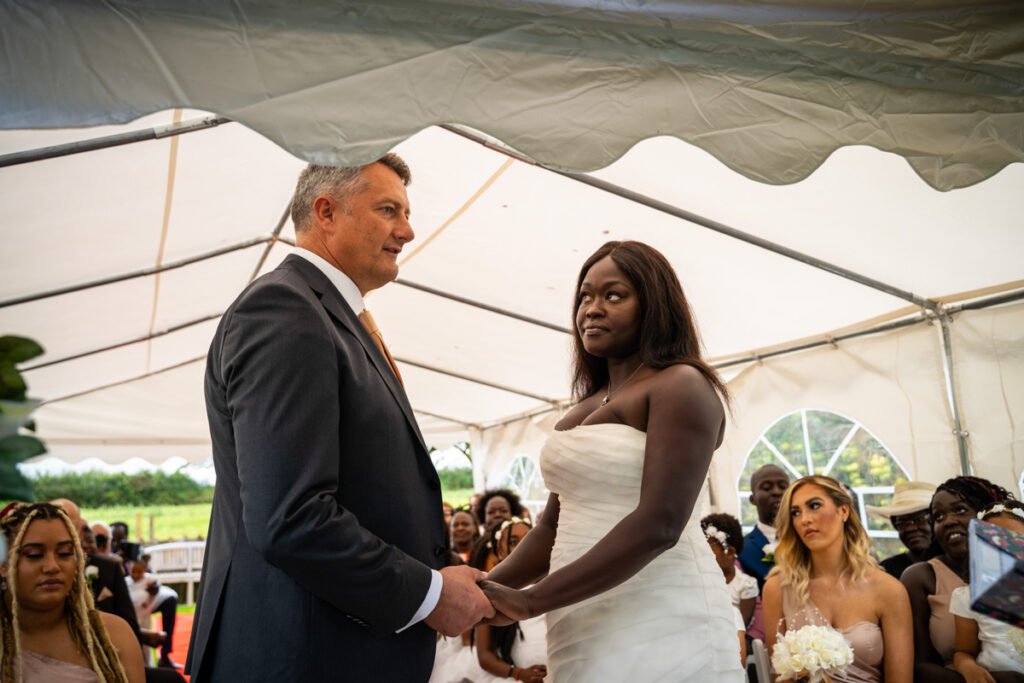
(931, 584)
(49, 628)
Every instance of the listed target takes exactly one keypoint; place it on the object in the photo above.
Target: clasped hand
(510, 605)
(468, 598)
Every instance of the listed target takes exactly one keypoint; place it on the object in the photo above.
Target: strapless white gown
(673, 620)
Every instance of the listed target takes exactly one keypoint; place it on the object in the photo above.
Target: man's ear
(323, 211)
(751, 498)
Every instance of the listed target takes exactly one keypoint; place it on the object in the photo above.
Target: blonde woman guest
(987, 650)
(825, 575)
(49, 628)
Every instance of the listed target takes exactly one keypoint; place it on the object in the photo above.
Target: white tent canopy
(478, 320)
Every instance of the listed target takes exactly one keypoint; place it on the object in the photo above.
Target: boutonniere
(92, 572)
(769, 552)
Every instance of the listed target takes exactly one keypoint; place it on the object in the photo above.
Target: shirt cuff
(429, 601)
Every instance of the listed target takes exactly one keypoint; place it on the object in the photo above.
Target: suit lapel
(343, 314)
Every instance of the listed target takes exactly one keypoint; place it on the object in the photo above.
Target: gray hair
(340, 182)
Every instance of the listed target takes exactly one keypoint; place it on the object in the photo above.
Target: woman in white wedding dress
(618, 561)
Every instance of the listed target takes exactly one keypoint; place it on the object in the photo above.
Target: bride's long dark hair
(668, 334)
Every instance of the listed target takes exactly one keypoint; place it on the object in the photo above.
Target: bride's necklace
(608, 394)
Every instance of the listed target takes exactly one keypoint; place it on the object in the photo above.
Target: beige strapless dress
(864, 637)
(673, 620)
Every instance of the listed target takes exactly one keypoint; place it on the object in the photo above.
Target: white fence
(180, 562)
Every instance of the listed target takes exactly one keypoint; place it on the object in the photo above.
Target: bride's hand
(510, 605)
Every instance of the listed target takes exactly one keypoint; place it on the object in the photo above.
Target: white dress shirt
(350, 293)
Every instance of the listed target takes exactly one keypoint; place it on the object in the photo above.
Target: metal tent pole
(107, 141)
(954, 406)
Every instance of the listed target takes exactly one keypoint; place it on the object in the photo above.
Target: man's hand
(510, 605)
(462, 604)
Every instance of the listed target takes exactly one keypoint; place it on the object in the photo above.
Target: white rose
(92, 571)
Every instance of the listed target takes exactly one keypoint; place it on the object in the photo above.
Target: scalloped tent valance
(769, 89)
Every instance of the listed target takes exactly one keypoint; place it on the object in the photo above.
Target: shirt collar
(343, 283)
(768, 530)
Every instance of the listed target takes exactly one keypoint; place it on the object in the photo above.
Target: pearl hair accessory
(997, 509)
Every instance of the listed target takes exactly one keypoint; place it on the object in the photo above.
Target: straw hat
(910, 497)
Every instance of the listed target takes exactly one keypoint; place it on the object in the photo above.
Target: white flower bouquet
(811, 652)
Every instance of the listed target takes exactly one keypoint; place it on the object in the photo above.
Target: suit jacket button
(439, 551)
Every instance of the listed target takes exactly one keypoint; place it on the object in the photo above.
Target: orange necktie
(371, 326)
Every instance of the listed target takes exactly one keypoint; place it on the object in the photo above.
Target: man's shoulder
(755, 538)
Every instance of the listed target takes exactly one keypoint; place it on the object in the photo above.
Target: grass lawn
(162, 523)
(157, 523)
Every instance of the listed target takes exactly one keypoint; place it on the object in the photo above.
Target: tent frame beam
(696, 219)
(108, 141)
(144, 272)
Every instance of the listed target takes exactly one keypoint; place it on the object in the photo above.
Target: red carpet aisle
(182, 632)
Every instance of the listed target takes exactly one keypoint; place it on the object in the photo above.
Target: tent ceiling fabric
(770, 89)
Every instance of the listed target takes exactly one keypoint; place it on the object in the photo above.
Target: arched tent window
(821, 442)
(523, 477)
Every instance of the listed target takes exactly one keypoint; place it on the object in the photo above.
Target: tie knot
(368, 322)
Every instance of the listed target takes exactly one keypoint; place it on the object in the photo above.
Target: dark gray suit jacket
(327, 512)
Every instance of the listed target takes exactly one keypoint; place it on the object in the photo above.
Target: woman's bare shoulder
(116, 627)
(884, 584)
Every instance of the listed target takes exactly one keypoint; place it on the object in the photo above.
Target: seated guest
(148, 596)
(517, 651)
(767, 485)
(50, 629)
(463, 532)
(931, 584)
(909, 515)
(447, 509)
(101, 532)
(725, 536)
(988, 650)
(494, 507)
(108, 587)
(825, 576)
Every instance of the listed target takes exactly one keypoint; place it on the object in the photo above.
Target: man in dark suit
(767, 485)
(326, 545)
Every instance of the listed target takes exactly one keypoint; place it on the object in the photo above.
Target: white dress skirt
(673, 620)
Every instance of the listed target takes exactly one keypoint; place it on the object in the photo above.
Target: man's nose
(404, 231)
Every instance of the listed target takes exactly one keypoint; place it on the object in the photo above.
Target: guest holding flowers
(825, 576)
(931, 584)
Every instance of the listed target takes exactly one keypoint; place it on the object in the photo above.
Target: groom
(326, 544)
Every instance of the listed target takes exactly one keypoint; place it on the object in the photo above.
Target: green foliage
(15, 410)
(461, 478)
(98, 489)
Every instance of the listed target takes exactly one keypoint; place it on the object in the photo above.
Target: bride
(618, 561)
